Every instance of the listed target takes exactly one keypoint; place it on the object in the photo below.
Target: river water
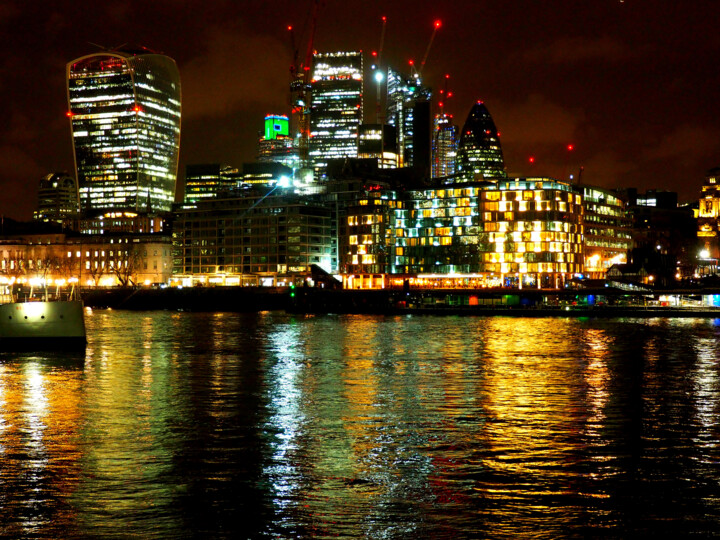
(190, 425)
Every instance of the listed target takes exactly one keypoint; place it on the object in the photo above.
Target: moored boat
(41, 320)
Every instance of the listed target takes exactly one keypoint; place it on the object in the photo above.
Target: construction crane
(300, 87)
(436, 25)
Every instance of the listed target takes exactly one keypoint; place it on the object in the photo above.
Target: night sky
(633, 85)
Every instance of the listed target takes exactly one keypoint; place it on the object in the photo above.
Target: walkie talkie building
(124, 110)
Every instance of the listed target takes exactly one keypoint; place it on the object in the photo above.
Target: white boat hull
(42, 325)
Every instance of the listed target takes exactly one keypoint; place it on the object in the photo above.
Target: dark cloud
(237, 70)
(571, 50)
(537, 121)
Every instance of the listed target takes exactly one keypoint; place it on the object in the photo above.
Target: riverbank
(508, 303)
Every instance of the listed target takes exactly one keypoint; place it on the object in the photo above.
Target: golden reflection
(596, 377)
(706, 396)
(39, 414)
(532, 387)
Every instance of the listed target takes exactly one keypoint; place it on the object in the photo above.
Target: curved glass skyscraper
(124, 109)
(479, 154)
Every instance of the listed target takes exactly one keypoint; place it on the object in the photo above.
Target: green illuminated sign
(276, 125)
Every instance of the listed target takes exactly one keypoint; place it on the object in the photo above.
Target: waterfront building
(57, 199)
(608, 231)
(408, 109)
(521, 232)
(665, 235)
(335, 108)
(209, 180)
(709, 216)
(90, 260)
(367, 236)
(439, 231)
(479, 154)
(276, 145)
(261, 238)
(444, 146)
(124, 110)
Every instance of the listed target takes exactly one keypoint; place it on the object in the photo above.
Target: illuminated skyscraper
(444, 149)
(336, 107)
(124, 109)
(479, 152)
(408, 109)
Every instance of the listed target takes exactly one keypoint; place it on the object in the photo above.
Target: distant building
(336, 108)
(124, 110)
(57, 199)
(408, 109)
(276, 145)
(266, 174)
(608, 231)
(664, 235)
(444, 146)
(479, 153)
(209, 181)
(378, 141)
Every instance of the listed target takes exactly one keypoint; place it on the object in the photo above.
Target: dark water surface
(183, 425)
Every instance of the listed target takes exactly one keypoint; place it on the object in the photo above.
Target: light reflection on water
(277, 426)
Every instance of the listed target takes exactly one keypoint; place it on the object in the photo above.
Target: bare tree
(124, 266)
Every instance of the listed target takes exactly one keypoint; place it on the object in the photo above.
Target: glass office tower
(124, 109)
(408, 109)
(336, 107)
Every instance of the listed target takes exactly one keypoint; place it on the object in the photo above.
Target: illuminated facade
(336, 108)
(709, 215)
(535, 228)
(124, 109)
(368, 234)
(444, 146)
(209, 180)
(440, 231)
(525, 232)
(408, 109)
(378, 141)
(479, 153)
(92, 260)
(608, 238)
(57, 199)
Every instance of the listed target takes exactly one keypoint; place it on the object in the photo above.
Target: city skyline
(628, 84)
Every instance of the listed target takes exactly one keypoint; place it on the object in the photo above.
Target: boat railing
(44, 294)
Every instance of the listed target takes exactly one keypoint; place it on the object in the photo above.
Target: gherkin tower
(479, 153)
